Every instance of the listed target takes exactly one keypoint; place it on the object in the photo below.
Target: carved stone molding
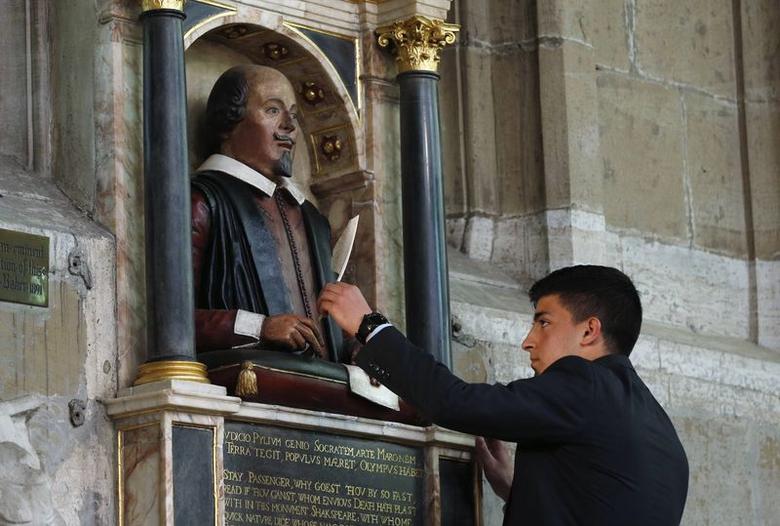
(418, 42)
(329, 186)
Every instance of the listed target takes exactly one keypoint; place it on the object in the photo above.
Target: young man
(593, 445)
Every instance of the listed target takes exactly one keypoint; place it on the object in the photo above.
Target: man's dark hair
(226, 106)
(601, 292)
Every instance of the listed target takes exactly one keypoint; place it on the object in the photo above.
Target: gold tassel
(247, 380)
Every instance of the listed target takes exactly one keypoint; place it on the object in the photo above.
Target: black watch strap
(370, 322)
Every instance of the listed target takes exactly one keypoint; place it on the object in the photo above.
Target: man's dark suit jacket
(593, 445)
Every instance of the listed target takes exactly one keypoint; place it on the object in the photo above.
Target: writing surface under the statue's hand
(360, 384)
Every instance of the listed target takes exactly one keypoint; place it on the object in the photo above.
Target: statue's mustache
(284, 138)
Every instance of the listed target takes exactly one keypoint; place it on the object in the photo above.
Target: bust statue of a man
(261, 251)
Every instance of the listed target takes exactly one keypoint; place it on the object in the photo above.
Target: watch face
(375, 319)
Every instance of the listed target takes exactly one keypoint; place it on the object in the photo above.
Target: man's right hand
(293, 333)
(495, 460)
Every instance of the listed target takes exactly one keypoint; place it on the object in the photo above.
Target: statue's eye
(273, 110)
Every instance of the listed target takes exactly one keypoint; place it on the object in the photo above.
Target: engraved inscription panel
(291, 477)
(24, 268)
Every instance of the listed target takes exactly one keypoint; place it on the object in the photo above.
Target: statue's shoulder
(214, 182)
(202, 176)
(214, 187)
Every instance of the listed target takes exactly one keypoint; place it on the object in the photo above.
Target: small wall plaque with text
(24, 268)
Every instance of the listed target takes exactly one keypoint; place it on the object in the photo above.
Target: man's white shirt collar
(222, 163)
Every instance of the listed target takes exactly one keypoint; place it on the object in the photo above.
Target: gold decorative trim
(120, 483)
(171, 370)
(315, 135)
(358, 104)
(418, 42)
(154, 5)
(295, 25)
(217, 3)
(331, 146)
(230, 10)
(247, 380)
(312, 92)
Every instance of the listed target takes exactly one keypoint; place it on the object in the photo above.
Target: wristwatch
(370, 322)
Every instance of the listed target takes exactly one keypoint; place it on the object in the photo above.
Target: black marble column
(169, 289)
(425, 253)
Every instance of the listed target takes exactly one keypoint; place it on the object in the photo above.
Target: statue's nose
(289, 123)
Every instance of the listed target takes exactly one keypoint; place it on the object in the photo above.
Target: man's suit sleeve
(553, 407)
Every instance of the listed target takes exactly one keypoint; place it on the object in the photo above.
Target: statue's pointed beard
(284, 166)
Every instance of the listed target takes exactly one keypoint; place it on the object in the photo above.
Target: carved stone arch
(330, 122)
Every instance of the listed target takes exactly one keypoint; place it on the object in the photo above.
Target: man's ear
(592, 333)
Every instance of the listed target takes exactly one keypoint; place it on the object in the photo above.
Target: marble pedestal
(171, 458)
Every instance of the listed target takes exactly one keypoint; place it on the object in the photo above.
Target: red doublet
(214, 329)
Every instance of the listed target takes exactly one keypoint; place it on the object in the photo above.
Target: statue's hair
(226, 106)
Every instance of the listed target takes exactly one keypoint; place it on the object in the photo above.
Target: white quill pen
(359, 382)
(343, 248)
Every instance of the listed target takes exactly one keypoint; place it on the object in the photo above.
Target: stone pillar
(169, 445)
(170, 298)
(417, 43)
(569, 117)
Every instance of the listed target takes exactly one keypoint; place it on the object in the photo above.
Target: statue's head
(252, 117)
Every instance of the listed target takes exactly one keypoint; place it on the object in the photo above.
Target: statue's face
(265, 138)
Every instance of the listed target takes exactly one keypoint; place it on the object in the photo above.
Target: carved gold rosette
(418, 42)
(152, 5)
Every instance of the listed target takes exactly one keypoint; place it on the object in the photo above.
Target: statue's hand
(293, 332)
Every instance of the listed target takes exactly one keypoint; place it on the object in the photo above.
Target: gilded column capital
(153, 5)
(418, 42)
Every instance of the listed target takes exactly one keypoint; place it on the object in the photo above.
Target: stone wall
(55, 469)
(627, 132)
(639, 134)
(625, 110)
